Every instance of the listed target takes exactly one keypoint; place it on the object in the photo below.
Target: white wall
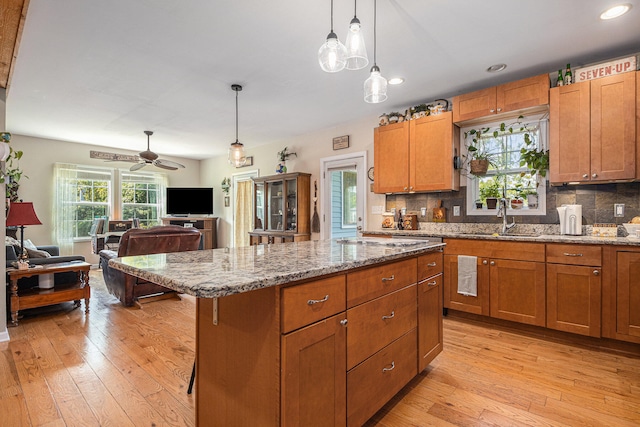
(310, 148)
(37, 163)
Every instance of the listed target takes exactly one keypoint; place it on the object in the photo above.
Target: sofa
(54, 258)
(137, 241)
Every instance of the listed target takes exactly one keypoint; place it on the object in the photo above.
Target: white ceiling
(101, 72)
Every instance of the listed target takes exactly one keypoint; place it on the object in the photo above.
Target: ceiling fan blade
(167, 164)
(163, 166)
(138, 166)
(113, 157)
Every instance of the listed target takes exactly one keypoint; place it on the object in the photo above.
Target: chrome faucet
(502, 213)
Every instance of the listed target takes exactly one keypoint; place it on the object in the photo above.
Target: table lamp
(21, 214)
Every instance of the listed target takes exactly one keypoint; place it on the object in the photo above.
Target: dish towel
(467, 275)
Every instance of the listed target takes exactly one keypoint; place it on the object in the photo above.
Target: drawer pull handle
(344, 322)
(388, 279)
(316, 301)
(432, 283)
(391, 316)
(431, 264)
(393, 365)
(568, 254)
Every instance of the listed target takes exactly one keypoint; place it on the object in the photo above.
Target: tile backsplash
(597, 202)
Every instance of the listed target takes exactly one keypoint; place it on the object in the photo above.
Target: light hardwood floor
(123, 366)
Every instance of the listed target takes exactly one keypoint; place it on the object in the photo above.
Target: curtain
(243, 213)
(63, 211)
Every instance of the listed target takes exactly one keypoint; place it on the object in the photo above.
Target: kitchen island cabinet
(273, 328)
(417, 155)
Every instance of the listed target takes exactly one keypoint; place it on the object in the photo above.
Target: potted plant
(12, 173)
(283, 156)
(479, 203)
(420, 110)
(490, 191)
(477, 153)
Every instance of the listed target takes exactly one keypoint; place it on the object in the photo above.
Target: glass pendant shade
(375, 87)
(356, 50)
(236, 154)
(332, 55)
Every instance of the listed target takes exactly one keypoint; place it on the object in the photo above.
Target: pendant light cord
(332, 16)
(236, 116)
(375, 20)
(355, 8)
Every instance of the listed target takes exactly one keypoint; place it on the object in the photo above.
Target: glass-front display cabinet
(281, 208)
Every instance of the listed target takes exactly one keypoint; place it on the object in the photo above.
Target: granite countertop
(216, 273)
(522, 236)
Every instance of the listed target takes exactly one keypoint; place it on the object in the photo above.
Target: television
(185, 201)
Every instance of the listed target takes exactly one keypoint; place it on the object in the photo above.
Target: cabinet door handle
(432, 264)
(406, 188)
(344, 322)
(388, 279)
(499, 109)
(393, 365)
(484, 262)
(492, 111)
(568, 254)
(585, 175)
(595, 175)
(432, 283)
(316, 301)
(596, 272)
(493, 263)
(391, 316)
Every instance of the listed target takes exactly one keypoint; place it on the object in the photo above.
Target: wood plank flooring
(128, 367)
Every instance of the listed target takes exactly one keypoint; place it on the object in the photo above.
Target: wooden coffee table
(36, 297)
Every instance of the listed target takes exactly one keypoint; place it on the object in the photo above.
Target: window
(349, 208)
(83, 193)
(505, 175)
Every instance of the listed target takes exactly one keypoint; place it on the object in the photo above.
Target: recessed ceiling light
(615, 11)
(396, 80)
(496, 68)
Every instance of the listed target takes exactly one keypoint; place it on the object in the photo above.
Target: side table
(36, 297)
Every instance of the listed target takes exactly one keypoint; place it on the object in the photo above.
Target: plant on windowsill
(491, 191)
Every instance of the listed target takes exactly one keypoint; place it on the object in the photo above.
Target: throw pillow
(10, 241)
(37, 253)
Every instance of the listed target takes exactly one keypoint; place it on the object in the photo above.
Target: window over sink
(505, 173)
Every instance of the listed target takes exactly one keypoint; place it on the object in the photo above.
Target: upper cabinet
(511, 97)
(416, 155)
(592, 130)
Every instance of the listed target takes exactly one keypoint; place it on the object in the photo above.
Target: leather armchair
(138, 241)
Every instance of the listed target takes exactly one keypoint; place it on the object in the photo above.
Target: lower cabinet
(313, 360)
(518, 291)
(627, 296)
(429, 308)
(574, 289)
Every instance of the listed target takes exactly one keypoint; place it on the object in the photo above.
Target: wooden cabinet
(416, 155)
(574, 290)
(588, 122)
(206, 225)
(323, 352)
(313, 375)
(510, 97)
(429, 308)
(627, 296)
(510, 279)
(281, 211)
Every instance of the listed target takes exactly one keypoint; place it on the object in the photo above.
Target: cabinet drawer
(373, 325)
(373, 282)
(379, 378)
(310, 302)
(575, 254)
(429, 265)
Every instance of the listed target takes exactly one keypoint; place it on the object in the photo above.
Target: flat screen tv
(184, 201)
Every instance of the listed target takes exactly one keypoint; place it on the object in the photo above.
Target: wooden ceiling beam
(12, 16)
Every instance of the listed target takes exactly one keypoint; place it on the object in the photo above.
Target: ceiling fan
(143, 158)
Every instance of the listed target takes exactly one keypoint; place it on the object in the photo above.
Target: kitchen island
(307, 333)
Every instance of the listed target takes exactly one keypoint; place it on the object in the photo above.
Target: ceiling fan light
(237, 157)
(332, 55)
(375, 87)
(356, 50)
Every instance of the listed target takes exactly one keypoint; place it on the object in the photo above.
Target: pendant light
(236, 152)
(356, 50)
(375, 87)
(332, 55)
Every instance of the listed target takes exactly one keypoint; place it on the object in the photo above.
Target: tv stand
(206, 225)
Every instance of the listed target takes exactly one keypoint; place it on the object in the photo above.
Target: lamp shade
(236, 154)
(22, 213)
(356, 51)
(375, 87)
(332, 55)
